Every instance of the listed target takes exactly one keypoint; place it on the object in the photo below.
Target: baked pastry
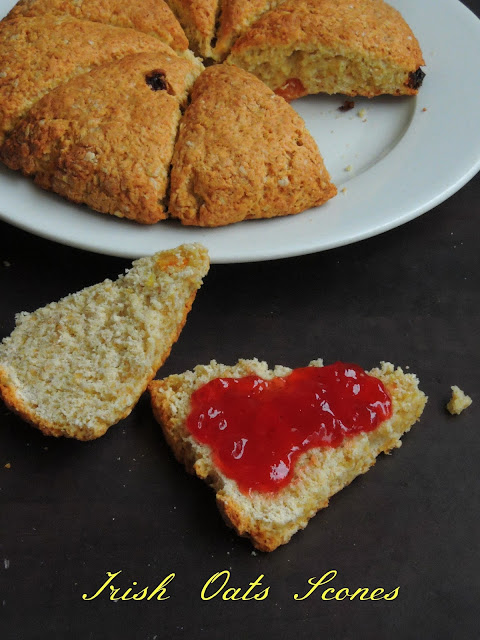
(235, 18)
(78, 366)
(198, 19)
(33, 63)
(242, 153)
(270, 518)
(353, 47)
(106, 138)
(151, 16)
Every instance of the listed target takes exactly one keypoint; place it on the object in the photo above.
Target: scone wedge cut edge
(75, 367)
(270, 520)
(106, 138)
(351, 47)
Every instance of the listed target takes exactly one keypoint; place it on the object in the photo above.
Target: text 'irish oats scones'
(150, 16)
(38, 54)
(106, 138)
(270, 517)
(198, 19)
(78, 366)
(242, 153)
(354, 47)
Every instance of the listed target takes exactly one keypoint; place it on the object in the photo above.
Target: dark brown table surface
(72, 511)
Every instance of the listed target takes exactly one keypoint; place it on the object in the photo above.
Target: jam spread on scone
(258, 428)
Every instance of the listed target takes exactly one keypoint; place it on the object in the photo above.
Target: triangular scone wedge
(270, 519)
(243, 153)
(78, 366)
(150, 16)
(198, 19)
(353, 47)
(38, 54)
(106, 138)
(236, 16)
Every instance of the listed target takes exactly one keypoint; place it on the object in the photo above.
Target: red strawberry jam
(258, 428)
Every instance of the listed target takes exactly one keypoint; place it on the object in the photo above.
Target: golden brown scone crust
(150, 16)
(38, 54)
(235, 18)
(369, 30)
(105, 138)
(243, 153)
(198, 19)
(270, 520)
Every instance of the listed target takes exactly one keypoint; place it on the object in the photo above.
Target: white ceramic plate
(404, 156)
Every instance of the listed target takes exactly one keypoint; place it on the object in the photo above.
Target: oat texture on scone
(243, 153)
(270, 519)
(38, 54)
(353, 47)
(106, 138)
(150, 16)
(198, 19)
(236, 16)
(78, 366)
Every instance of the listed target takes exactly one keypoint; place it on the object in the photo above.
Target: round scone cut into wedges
(38, 54)
(270, 518)
(353, 47)
(106, 138)
(242, 153)
(150, 16)
(78, 366)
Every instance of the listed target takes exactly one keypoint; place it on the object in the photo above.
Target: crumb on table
(458, 402)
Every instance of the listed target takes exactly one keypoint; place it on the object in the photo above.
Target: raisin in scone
(106, 138)
(353, 47)
(78, 366)
(150, 16)
(38, 54)
(243, 153)
(270, 516)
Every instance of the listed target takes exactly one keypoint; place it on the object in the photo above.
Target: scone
(268, 502)
(38, 54)
(78, 366)
(151, 16)
(235, 18)
(352, 47)
(106, 138)
(242, 153)
(198, 19)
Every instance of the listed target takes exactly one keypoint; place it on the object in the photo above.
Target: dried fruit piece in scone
(106, 138)
(38, 54)
(243, 153)
(353, 47)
